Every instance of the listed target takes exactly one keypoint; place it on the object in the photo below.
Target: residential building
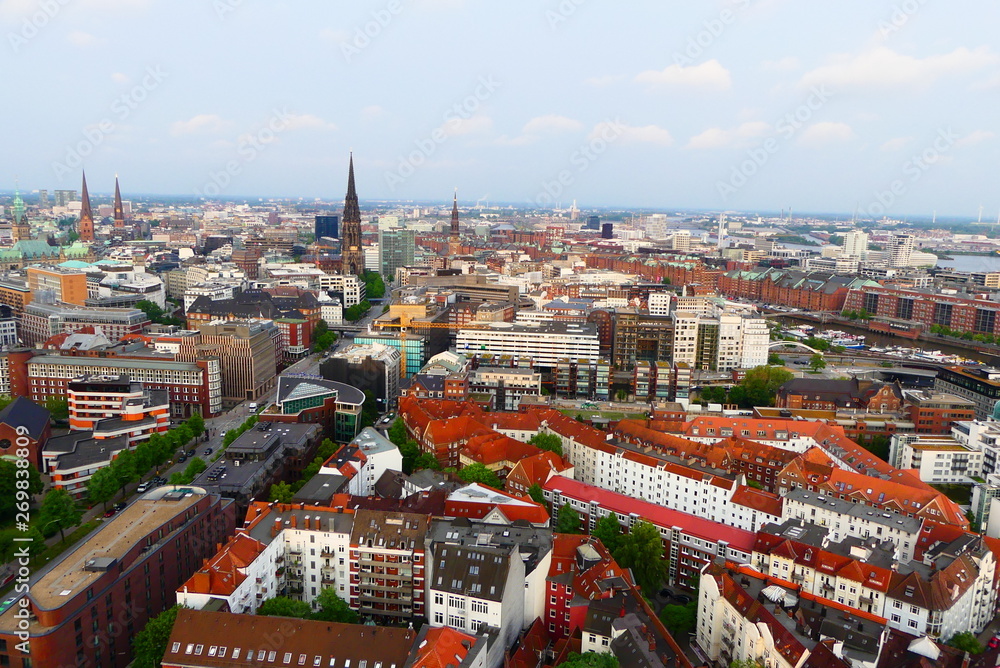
(937, 459)
(898, 250)
(88, 604)
(364, 460)
(936, 412)
(25, 426)
(980, 385)
(546, 343)
(925, 308)
(506, 386)
(581, 379)
(42, 321)
(855, 244)
(387, 565)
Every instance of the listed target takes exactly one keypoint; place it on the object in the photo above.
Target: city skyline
(743, 106)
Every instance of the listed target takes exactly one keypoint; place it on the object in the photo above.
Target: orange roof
(536, 469)
(441, 647)
(492, 448)
(757, 499)
(223, 574)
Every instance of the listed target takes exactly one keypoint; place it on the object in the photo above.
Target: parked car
(110, 512)
(143, 486)
(683, 599)
(191, 453)
(120, 506)
(207, 452)
(183, 458)
(994, 641)
(666, 593)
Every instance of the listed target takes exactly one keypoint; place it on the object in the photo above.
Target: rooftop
(859, 511)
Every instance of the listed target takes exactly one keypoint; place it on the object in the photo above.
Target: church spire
(352, 254)
(454, 215)
(119, 209)
(85, 227)
(352, 210)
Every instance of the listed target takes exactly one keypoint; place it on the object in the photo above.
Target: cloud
(120, 78)
(457, 127)
(895, 144)
(710, 75)
(551, 123)
(738, 137)
(825, 133)
(646, 134)
(82, 39)
(882, 67)
(788, 64)
(197, 124)
(18, 9)
(976, 137)
(307, 122)
(373, 112)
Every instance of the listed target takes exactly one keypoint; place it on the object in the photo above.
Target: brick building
(961, 314)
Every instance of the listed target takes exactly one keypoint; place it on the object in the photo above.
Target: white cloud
(199, 123)
(551, 123)
(738, 137)
(710, 75)
(789, 64)
(825, 133)
(615, 131)
(307, 122)
(120, 78)
(456, 127)
(976, 137)
(882, 67)
(895, 144)
(82, 39)
(373, 112)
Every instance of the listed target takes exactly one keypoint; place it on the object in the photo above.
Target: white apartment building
(214, 290)
(351, 287)
(364, 460)
(659, 303)
(546, 343)
(939, 459)
(856, 244)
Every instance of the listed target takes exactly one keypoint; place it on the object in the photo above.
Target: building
(898, 250)
(86, 607)
(85, 225)
(396, 249)
(247, 351)
(387, 560)
(506, 387)
(855, 244)
(936, 412)
(363, 461)
(412, 347)
(24, 425)
(546, 343)
(643, 337)
(937, 459)
(66, 285)
(580, 379)
(327, 226)
(374, 366)
(42, 321)
(334, 406)
(351, 247)
(825, 394)
(93, 400)
(980, 385)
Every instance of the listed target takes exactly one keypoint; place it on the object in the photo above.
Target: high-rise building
(327, 226)
(248, 351)
(899, 250)
(396, 249)
(351, 249)
(593, 223)
(608, 231)
(85, 226)
(64, 197)
(856, 244)
(43, 199)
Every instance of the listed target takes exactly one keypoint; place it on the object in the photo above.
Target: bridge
(798, 345)
(801, 314)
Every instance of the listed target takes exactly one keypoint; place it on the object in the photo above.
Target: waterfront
(884, 340)
(971, 263)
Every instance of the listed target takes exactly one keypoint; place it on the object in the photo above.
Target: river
(884, 340)
(972, 263)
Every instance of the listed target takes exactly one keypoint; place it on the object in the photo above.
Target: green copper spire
(18, 207)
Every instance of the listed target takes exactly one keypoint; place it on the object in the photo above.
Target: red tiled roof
(757, 499)
(441, 647)
(221, 575)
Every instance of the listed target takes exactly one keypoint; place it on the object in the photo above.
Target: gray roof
(293, 387)
(23, 412)
(80, 448)
(471, 571)
(532, 542)
(319, 490)
(856, 510)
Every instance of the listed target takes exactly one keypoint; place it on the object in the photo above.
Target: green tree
(641, 549)
(196, 424)
(410, 452)
(326, 449)
(479, 473)
(369, 411)
(774, 359)
(177, 478)
(759, 386)
(282, 606)
(609, 531)
(537, 494)
(817, 363)
(123, 467)
(817, 343)
(622, 395)
(151, 642)
(374, 285)
(102, 486)
(323, 342)
(590, 660)
(58, 407)
(8, 486)
(966, 642)
(321, 328)
(397, 432)
(549, 442)
(281, 492)
(568, 520)
(194, 468)
(715, 394)
(679, 619)
(312, 469)
(426, 461)
(58, 510)
(332, 608)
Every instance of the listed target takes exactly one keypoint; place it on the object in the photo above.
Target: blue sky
(738, 105)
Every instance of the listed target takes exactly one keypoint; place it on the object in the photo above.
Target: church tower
(352, 253)
(85, 226)
(454, 243)
(119, 209)
(20, 229)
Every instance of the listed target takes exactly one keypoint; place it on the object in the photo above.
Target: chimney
(307, 522)
(295, 521)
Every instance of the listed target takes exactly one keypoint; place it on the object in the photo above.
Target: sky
(886, 108)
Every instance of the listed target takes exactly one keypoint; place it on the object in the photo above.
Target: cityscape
(622, 375)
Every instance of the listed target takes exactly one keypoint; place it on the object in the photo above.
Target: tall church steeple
(20, 228)
(119, 209)
(352, 254)
(85, 226)
(454, 243)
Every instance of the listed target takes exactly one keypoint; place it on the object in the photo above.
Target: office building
(327, 226)
(856, 244)
(546, 343)
(396, 249)
(373, 366)
(42, 321)
(248, 351)
(66, 285)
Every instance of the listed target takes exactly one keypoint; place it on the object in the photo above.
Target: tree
(196, 424)
(59, 510)
(609, 531)
(568, 520)
(536, 494)
(194, 469)
(177, 478)
(282, 606)
(311, 469)
(642, 550)
(715, 394)
(151, 642)
(759, 386)
(966, 642)
(323, 341)
(332, 608)
(281, 492)
(549, 442)
(479, 473)
(8, 486)
(374, 285)
(358, 311)
(622, 395)
(397, 432)
(369, 411)
(58, 407)
(426, 461)
(410, 452)
(817, 343)
(123, 467)
(817, 363)
(774, 359)
(679, 619)
(326, 449)
(102, 486)
(590, 660)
